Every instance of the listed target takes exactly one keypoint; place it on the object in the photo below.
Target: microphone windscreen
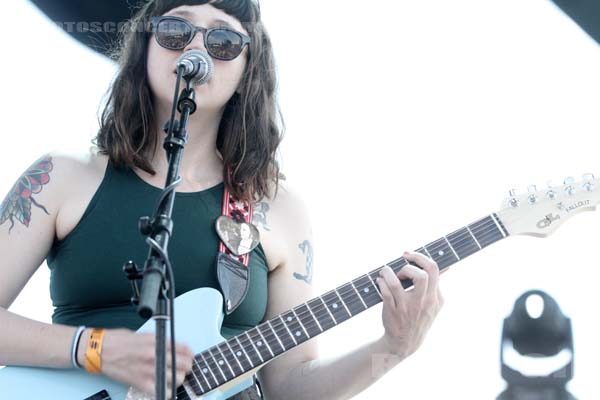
(203, 66)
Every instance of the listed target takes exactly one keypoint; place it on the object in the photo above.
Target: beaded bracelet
(93, 359)
(75, 345)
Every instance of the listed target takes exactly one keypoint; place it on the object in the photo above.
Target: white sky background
(406, 120)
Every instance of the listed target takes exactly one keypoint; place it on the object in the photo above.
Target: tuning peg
(588, 180)
(550, 193)
(569, 188)
(532, 198)
(514, 202)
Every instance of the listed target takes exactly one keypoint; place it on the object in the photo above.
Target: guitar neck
(253, 348)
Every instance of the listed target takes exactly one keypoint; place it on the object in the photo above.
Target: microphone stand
(155, 300)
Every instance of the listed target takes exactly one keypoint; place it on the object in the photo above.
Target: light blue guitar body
(198, 319)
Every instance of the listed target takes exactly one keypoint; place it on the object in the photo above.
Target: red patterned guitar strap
(238, 238)
(239, 211)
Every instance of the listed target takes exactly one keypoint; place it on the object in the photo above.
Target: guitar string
(270, 336)
(312, 325)
(399, 263)
(269, 332)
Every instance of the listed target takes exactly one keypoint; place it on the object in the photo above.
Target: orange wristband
(93, 359)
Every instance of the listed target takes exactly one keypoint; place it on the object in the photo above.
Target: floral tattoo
(307, 250)
(17, 204)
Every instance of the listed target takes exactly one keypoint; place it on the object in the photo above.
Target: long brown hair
(251, 127)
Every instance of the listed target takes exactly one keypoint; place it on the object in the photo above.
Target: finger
(429, 266)
(386, 293)
(393, 284)
(185, 357)
(440, 298)
(180, 377)
(181, 350)
(184, 351)
(419, 278)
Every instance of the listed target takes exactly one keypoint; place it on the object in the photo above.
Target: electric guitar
(223, 368)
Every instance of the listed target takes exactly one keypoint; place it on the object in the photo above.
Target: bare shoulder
(286, 206)
(284, 223)
(78, 165)
(45, 202)
(53, 176)
(77, 177)
(74, 172)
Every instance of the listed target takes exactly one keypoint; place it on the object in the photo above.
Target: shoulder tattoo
(17, 204)
(259, 216)
(307, 250)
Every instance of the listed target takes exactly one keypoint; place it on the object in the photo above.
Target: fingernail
(406, 253)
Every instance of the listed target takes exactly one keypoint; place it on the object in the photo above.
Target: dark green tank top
(87, 283)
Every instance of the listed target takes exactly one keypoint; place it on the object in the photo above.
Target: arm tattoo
(259, 216)
(17, 204)
(307, 250)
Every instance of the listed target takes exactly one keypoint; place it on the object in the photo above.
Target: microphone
(197, 66)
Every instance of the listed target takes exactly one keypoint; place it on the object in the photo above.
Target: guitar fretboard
(242, 353)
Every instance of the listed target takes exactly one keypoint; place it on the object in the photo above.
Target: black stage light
(94, 23)
(544, 337)
(586, 13)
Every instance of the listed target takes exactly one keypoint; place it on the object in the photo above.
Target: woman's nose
(197, 43)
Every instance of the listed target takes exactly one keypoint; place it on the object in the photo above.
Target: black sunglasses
(174, 33)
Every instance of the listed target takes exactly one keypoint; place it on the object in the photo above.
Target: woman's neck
(200, 164)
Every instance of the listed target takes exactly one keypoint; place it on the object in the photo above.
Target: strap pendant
(240, 237)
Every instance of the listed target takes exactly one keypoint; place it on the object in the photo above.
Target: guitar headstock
(541, 212)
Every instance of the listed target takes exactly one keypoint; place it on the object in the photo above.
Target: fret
(265, 341)
(374, 275)
(278, 340)
(273, 343)
(240, 354)
(197, 372)
(463, 243)
(209, 369)
(351, 300)
(424, 251)
(294, 326)
(375, 286)
(474, 238)
(359, 295)
(228, 358)
(283, 333)
(288, 330)
(257, 352)
(219, 363)
(245, 352)
(334, 305)
(397, 265)
(452, 248)
(487, 231)
(368, 291)
(236, 357)
(319, 308)
(300, 323)
(342, 302)
(194, 383)
(259, 344)
(306, 320)
(500, 225)
(441, 253)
